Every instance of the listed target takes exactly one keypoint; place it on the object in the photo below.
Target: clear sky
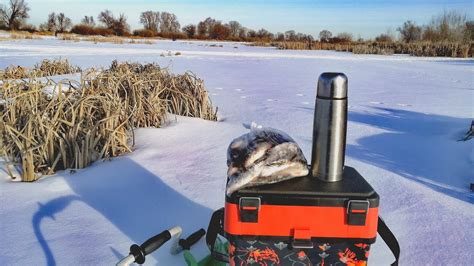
(360, 17)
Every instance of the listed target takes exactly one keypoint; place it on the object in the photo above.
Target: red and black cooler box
(303, 221)
(329, 217)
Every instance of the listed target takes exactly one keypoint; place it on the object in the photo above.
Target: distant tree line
(448, 26)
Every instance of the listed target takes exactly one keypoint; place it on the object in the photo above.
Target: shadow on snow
(418, 146)
(136, 201)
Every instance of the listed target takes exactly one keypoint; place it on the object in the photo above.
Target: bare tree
(251, 34)
(64, 23)
(205, 27)
(219, 32)
(14, 15)
(88, 20)
(107, 18)
(243, 32)
(190, 30)
(280, 36)
(410, 32)
(169, 23)
(118, 25)
(264, 34)
(150, 20)
(344, 37)
(469, 32)
(50, 24)
(121, 26)
(447, 26)
(290, 35)
(234, 27)
(325, 36)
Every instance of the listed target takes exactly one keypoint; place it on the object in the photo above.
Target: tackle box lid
(311, 191)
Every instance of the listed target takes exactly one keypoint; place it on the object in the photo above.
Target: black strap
(216, 227)
(389, 239)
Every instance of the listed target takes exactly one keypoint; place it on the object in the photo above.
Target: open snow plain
(406, 115)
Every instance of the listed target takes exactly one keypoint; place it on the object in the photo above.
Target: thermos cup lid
(332, 86)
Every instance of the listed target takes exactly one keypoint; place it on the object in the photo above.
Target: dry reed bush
(45, 68)
(23, 35)
(69, 37)
(44, 133)
(139, 41)
(14, 72)
(54, 67)
(182, 94)
(72, 128)
(112, 39)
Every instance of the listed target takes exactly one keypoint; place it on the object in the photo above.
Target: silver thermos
(329, 127)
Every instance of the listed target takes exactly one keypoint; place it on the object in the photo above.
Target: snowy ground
(405, 117)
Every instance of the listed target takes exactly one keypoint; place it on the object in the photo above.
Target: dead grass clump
(54, 67)
(45, 68)
(69, 37)
(23, 35)
(183, 94)
(112, 39)
(44, 134)
(14, 72)
(368, 49)
(93, 119)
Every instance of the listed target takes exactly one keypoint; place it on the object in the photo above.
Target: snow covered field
(405, 117)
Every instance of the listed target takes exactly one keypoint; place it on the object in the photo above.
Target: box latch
(302, 238)
(249, 207)
(357, 212)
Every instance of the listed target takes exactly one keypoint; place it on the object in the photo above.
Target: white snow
(406, 116)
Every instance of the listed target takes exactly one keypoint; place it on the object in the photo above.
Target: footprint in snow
(215, 94)
(238, 89)
(305, 103)
(376, 102)
(243, 97)
(271, 100)
(219, 88)
(300, 94)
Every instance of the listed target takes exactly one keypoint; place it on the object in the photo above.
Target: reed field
(422, 48)
(90, 119)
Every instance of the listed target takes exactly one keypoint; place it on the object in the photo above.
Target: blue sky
(360, 17)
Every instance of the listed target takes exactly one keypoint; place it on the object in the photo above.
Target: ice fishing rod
(139, 252)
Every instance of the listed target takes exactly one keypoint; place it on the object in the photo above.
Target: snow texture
(406, 115)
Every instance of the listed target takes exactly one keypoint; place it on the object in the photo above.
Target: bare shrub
(83, 29)
(144, 33)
